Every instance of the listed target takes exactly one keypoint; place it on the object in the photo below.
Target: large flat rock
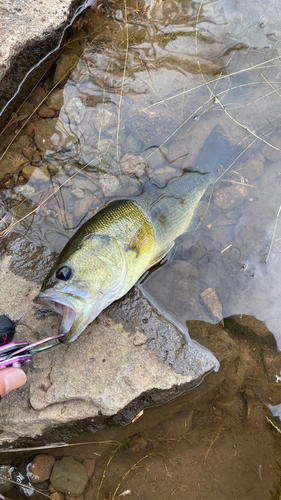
(29, 30)
(110, 371)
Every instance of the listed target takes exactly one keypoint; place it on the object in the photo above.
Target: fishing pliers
(19, 353)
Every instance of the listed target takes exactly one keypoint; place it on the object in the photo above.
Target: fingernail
(14, 379)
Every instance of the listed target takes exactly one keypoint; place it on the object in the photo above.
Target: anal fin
(203, 217)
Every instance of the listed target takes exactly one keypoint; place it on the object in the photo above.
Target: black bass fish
(112, 250)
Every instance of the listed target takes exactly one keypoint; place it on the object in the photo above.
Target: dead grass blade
(106, 467)
(274, 231)
(130, 470)
(24, 486)
(57, 445)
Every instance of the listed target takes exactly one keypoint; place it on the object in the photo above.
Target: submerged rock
(45, 112)
(57, 495)
(40, 468)
(82, 206)
(151, 127)
(105, 119)
(230, 196)
(69, 476)
(109, 184)
(5, 473)
(44, 131)
(253, 168)
(37, 96)
(74, 110)
(65, 64)
(56, 100)
(131, 164)
(90, 465)
(9, 165)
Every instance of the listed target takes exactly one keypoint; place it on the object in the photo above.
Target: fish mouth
(77, 310)
(61, 305)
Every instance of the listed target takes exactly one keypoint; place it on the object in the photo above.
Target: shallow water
(181, 78)
(156, 91)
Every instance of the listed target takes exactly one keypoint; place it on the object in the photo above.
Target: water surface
(154, 88)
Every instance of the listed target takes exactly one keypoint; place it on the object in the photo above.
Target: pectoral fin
(160, 255)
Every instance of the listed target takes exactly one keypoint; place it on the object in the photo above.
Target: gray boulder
(112, 371)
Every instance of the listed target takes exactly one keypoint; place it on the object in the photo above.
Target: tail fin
(216, 153)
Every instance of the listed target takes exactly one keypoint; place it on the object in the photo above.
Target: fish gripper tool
(19, 353)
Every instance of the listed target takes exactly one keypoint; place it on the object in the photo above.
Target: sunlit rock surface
(29, 31)
(110, 370)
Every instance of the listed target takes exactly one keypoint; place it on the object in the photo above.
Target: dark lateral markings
(162, 219)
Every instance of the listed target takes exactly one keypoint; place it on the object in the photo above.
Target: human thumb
(11, 378)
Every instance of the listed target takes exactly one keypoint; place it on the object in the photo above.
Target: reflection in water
(188, 68)
(275, 410)
(139, 107)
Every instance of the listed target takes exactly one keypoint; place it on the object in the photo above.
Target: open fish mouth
(61, 305)
(75, 306)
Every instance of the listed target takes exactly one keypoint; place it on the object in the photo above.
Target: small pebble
(28, 171)
(140, 338)
(29, 129)
(41, 174)
(82, 206)
(230, 196)
(38, 95)
(28, 152)
(135, 448)
(43, 486)
(109, 184)
(131, 164)
(5, 472)
(25, 190)
(78, 193)
(22, 142)
(26, 108)
(74, 110)
(55, 101)
(252, 169)
(140, 441)
(45, 112)
(68, 497)
(57, 495)
(89, 464)
(40, 468)
(36, 159)
(65, 63)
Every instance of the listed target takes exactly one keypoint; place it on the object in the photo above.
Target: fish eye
(64, 273)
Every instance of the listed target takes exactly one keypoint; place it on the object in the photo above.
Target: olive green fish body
(111, 251)
(123, 222)
(172, 208)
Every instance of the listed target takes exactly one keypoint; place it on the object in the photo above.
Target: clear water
(155, 88)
